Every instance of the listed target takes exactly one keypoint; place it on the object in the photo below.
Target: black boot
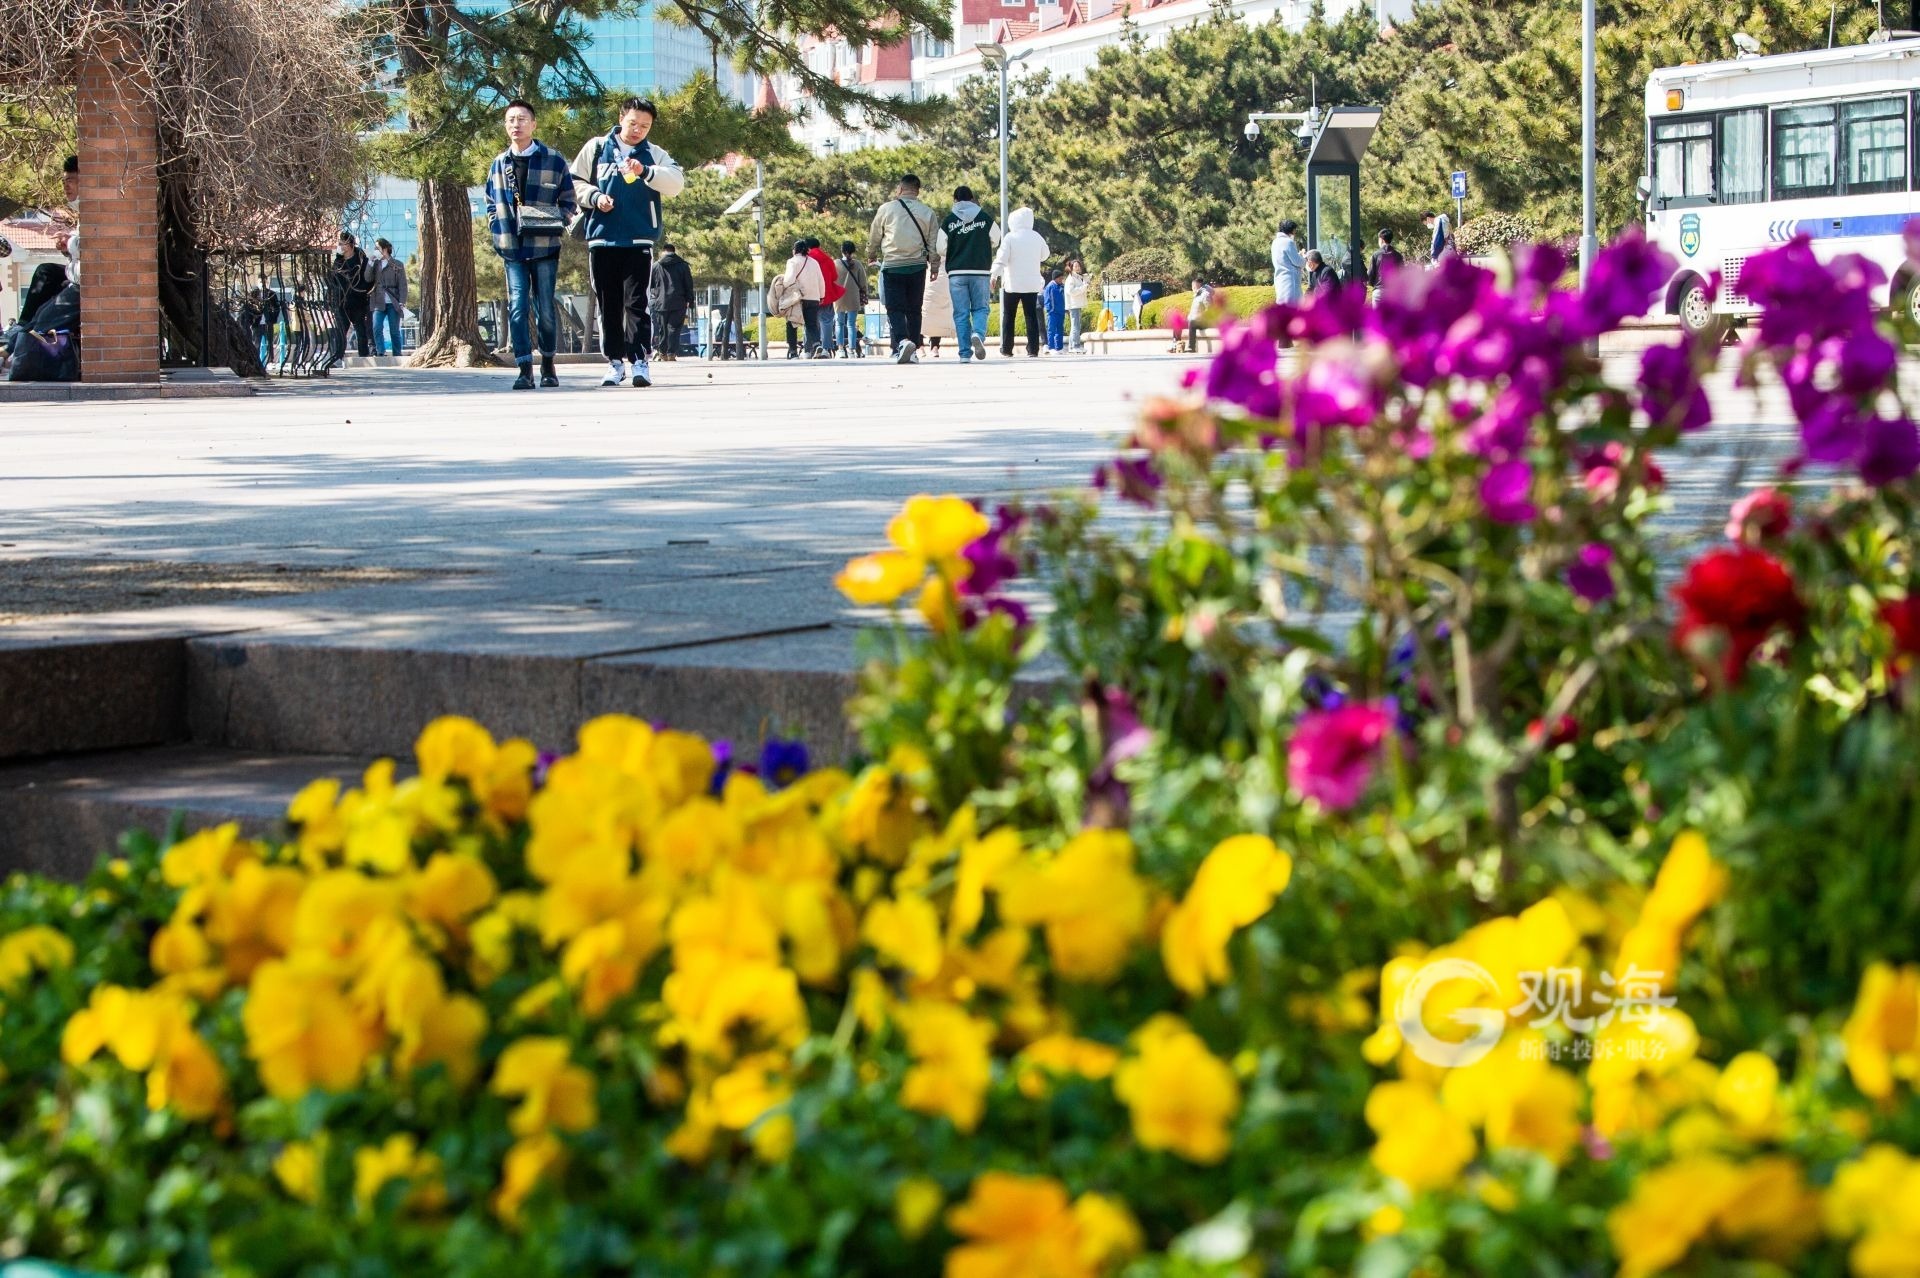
(547, 376)
(525, 380)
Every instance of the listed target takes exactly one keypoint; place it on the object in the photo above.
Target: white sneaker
(906, 354)
(616, 373)
(642, 375)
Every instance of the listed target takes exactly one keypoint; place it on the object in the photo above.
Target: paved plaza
(204, 603)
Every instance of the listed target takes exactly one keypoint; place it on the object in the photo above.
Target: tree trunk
(450, 304)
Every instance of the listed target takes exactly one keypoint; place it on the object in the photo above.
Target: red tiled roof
(33, 237)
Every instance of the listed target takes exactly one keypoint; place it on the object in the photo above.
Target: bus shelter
(1333, 187)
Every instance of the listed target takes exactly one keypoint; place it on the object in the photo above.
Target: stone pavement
(666, 552)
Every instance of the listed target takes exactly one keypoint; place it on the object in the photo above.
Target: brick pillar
(119, 224)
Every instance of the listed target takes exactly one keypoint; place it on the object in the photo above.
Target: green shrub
(1491, 233)
(1151, 265)
(1240, 300)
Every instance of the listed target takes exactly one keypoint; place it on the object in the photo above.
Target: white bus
(1746, 154)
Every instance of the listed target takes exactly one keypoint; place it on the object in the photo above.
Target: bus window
(1803, 146)
(1683, 161)
(1875, 134)
(1743, 157)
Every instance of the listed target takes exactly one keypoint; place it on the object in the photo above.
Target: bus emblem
(1690, 234)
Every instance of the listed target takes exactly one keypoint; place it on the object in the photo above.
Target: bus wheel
(1906, 298)
(1696, 309)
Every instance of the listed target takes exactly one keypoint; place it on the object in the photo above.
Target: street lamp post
(995, 56)
(760, 250)
(1589, 241)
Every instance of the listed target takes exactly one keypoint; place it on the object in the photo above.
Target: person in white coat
(1289, 264)
(937, 319)
(803, 278)
(1018, 267)
(1078, 287)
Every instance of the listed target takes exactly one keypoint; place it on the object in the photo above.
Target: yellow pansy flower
(532, 1160)
(1235, 885)
(302, 1032)
(1015, 1225)
(1091, 903)
(917, 1201)
(906, 932)
(882, 578)
(1748, 1093)
(452, 746)
(1181, 1096)
(1689, 881)
(29, 950)
(450, 889)
(299, 1169)
(936, 528)
(399, 1158)
(554, 1092)
(1882, 1036)
(952, 1066)
(1419, 1141)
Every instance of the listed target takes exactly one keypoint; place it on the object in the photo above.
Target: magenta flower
(1890, 451)
(1246, 372)
(1334, 391)
(1590, 575)
(1332, 754)
(1130, 478)
(1625, 277)
(1670, 389)
(1506, 492)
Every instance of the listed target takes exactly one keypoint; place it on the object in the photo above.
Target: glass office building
(638, 54)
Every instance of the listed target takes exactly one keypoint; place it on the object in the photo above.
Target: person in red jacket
(830, 272)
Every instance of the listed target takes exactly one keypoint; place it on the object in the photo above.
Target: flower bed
(1415, 884)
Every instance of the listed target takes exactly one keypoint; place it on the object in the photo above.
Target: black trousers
(1009, 304)
(672, 320)
(620, 274)
(358, 315)
(904, 293)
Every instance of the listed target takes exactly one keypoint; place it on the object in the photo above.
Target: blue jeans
(536, 277)
(972, 299)
(386, 319)
(847, 329)
(1056, 330)
(266, 348)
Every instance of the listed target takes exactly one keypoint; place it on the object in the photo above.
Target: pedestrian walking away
(1441, 245)
(803, 275)
(1386, 260)
(1053, 304)
(530, 201)
(619, 181)
(669, 294)
(783, 299)
(968, 239)
(1078, 288)
(901, 241)
(350, 281)
(1197, 311)
(852, 304)
(389, 298)
(1019, 267)
(1289, 267)
(938, 321)
(830, 297)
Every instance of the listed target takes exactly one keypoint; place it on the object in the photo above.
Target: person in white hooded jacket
(1018, 267)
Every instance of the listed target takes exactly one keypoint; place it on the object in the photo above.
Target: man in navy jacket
(620, 180)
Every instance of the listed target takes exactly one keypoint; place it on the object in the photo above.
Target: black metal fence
(278, 304)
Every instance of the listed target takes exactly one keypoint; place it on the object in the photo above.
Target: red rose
(1742, 593)
(1903, 618)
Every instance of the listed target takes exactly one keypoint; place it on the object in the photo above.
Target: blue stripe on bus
(1839, 228)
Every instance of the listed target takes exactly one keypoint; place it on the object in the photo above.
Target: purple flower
(1803, 299)
(1320, 692)
(1890, 451)
(1246, 372)
(973, 612)
(782, 762)
(1332, 753)
(1541, 265)
(542, 765)
(1865, 362)
(722, 766)
(1626, 274)
(1334, 391)
(1502, 431)
(1122, 736)
(1670, 389)
(1131, 478)
(1590, 576)
(990, 564)
(1506, 491)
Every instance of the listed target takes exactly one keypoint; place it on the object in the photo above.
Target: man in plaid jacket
(530, 200)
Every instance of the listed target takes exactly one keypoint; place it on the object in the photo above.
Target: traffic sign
(1459, 185)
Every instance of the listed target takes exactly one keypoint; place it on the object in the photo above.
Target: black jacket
(671, 288)
(351, 279)
(1388, 256)
(1322, 279)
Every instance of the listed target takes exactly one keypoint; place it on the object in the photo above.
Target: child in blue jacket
(1053, 300)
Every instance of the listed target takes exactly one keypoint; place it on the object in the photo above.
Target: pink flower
(1761, 515)
(1590, 575)
(1505, 492)
(1333, 752)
